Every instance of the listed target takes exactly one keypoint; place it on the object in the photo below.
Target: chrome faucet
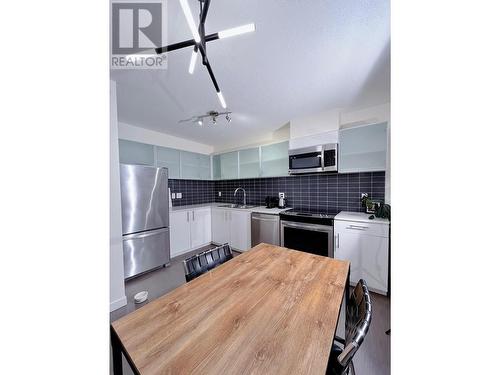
(244, 195)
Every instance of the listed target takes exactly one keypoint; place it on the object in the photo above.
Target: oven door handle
(315, 227)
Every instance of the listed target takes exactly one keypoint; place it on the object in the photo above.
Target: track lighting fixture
(211, 114)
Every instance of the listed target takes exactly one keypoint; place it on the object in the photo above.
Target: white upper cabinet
(169, 158)
(274, 160)
(136, 153)
(229, 165)
(363, 148)
(249, 163)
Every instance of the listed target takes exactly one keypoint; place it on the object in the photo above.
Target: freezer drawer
(265, 228)
(145, 251)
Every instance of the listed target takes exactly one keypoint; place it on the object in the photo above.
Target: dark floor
(373, 358)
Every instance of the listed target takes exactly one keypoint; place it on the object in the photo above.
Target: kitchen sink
(236, 206)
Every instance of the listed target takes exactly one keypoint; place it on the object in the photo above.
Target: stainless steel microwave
(321, 158)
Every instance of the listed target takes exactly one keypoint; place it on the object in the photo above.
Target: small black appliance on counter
(271, 202)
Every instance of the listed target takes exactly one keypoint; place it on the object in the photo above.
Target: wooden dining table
(270, 310)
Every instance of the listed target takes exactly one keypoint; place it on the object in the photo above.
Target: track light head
(228, 118)
(200, 122)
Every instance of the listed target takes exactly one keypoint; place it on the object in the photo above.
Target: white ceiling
(304, 57)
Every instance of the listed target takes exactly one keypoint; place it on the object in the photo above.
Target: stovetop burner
(310, 212)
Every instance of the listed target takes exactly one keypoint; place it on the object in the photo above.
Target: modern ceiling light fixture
(200, 38)
(211, 114)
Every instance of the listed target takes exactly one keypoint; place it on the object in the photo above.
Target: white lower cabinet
(201, 227)
(366, 246)
(180, 233)
(233, 227)
(220, 225)
(241, 230)
(189, 230)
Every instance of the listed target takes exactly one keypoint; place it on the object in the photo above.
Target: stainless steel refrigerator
(145, 223)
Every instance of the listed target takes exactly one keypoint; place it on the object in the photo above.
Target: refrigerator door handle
(135, 236)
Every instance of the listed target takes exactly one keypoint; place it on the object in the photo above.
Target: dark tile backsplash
(193, 191)
(329, 192)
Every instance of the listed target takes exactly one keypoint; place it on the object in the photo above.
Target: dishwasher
(265, 228)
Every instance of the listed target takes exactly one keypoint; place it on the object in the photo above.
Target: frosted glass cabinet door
(216, 167)
(169, 158)
(275, 160)
(189, 165)
(204, 166)
(195, 166)
(136, 153)
(229, 165)
(363, 148)
(249, 163)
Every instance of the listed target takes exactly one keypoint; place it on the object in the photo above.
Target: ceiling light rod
(208, 38)
(192, 63)
(190, 20)
(248, 28)
(184, 44)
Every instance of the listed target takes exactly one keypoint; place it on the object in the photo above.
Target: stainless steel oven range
(308, 231)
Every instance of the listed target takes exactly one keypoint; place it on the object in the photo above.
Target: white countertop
(360, 217)
(258, 209)
(190, 207)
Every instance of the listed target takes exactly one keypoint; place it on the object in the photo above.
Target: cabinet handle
(193, 215)
(187, 212)
(357, 227)
(338, 240)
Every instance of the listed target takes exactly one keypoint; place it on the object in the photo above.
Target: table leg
(117, 354)
(346, 297)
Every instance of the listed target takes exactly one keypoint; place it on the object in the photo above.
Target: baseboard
(116, 304)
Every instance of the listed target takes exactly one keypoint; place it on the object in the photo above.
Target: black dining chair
(357, 323)
(198, 264)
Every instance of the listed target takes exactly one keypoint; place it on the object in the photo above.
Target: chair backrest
(198, 264)
(358, 319)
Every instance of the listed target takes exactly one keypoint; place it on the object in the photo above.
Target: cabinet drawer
(381, 230)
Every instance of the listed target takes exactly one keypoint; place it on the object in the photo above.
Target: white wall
(117, 296)
(135, 133)
(369, 115)
(279, 135)
(315, 124)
